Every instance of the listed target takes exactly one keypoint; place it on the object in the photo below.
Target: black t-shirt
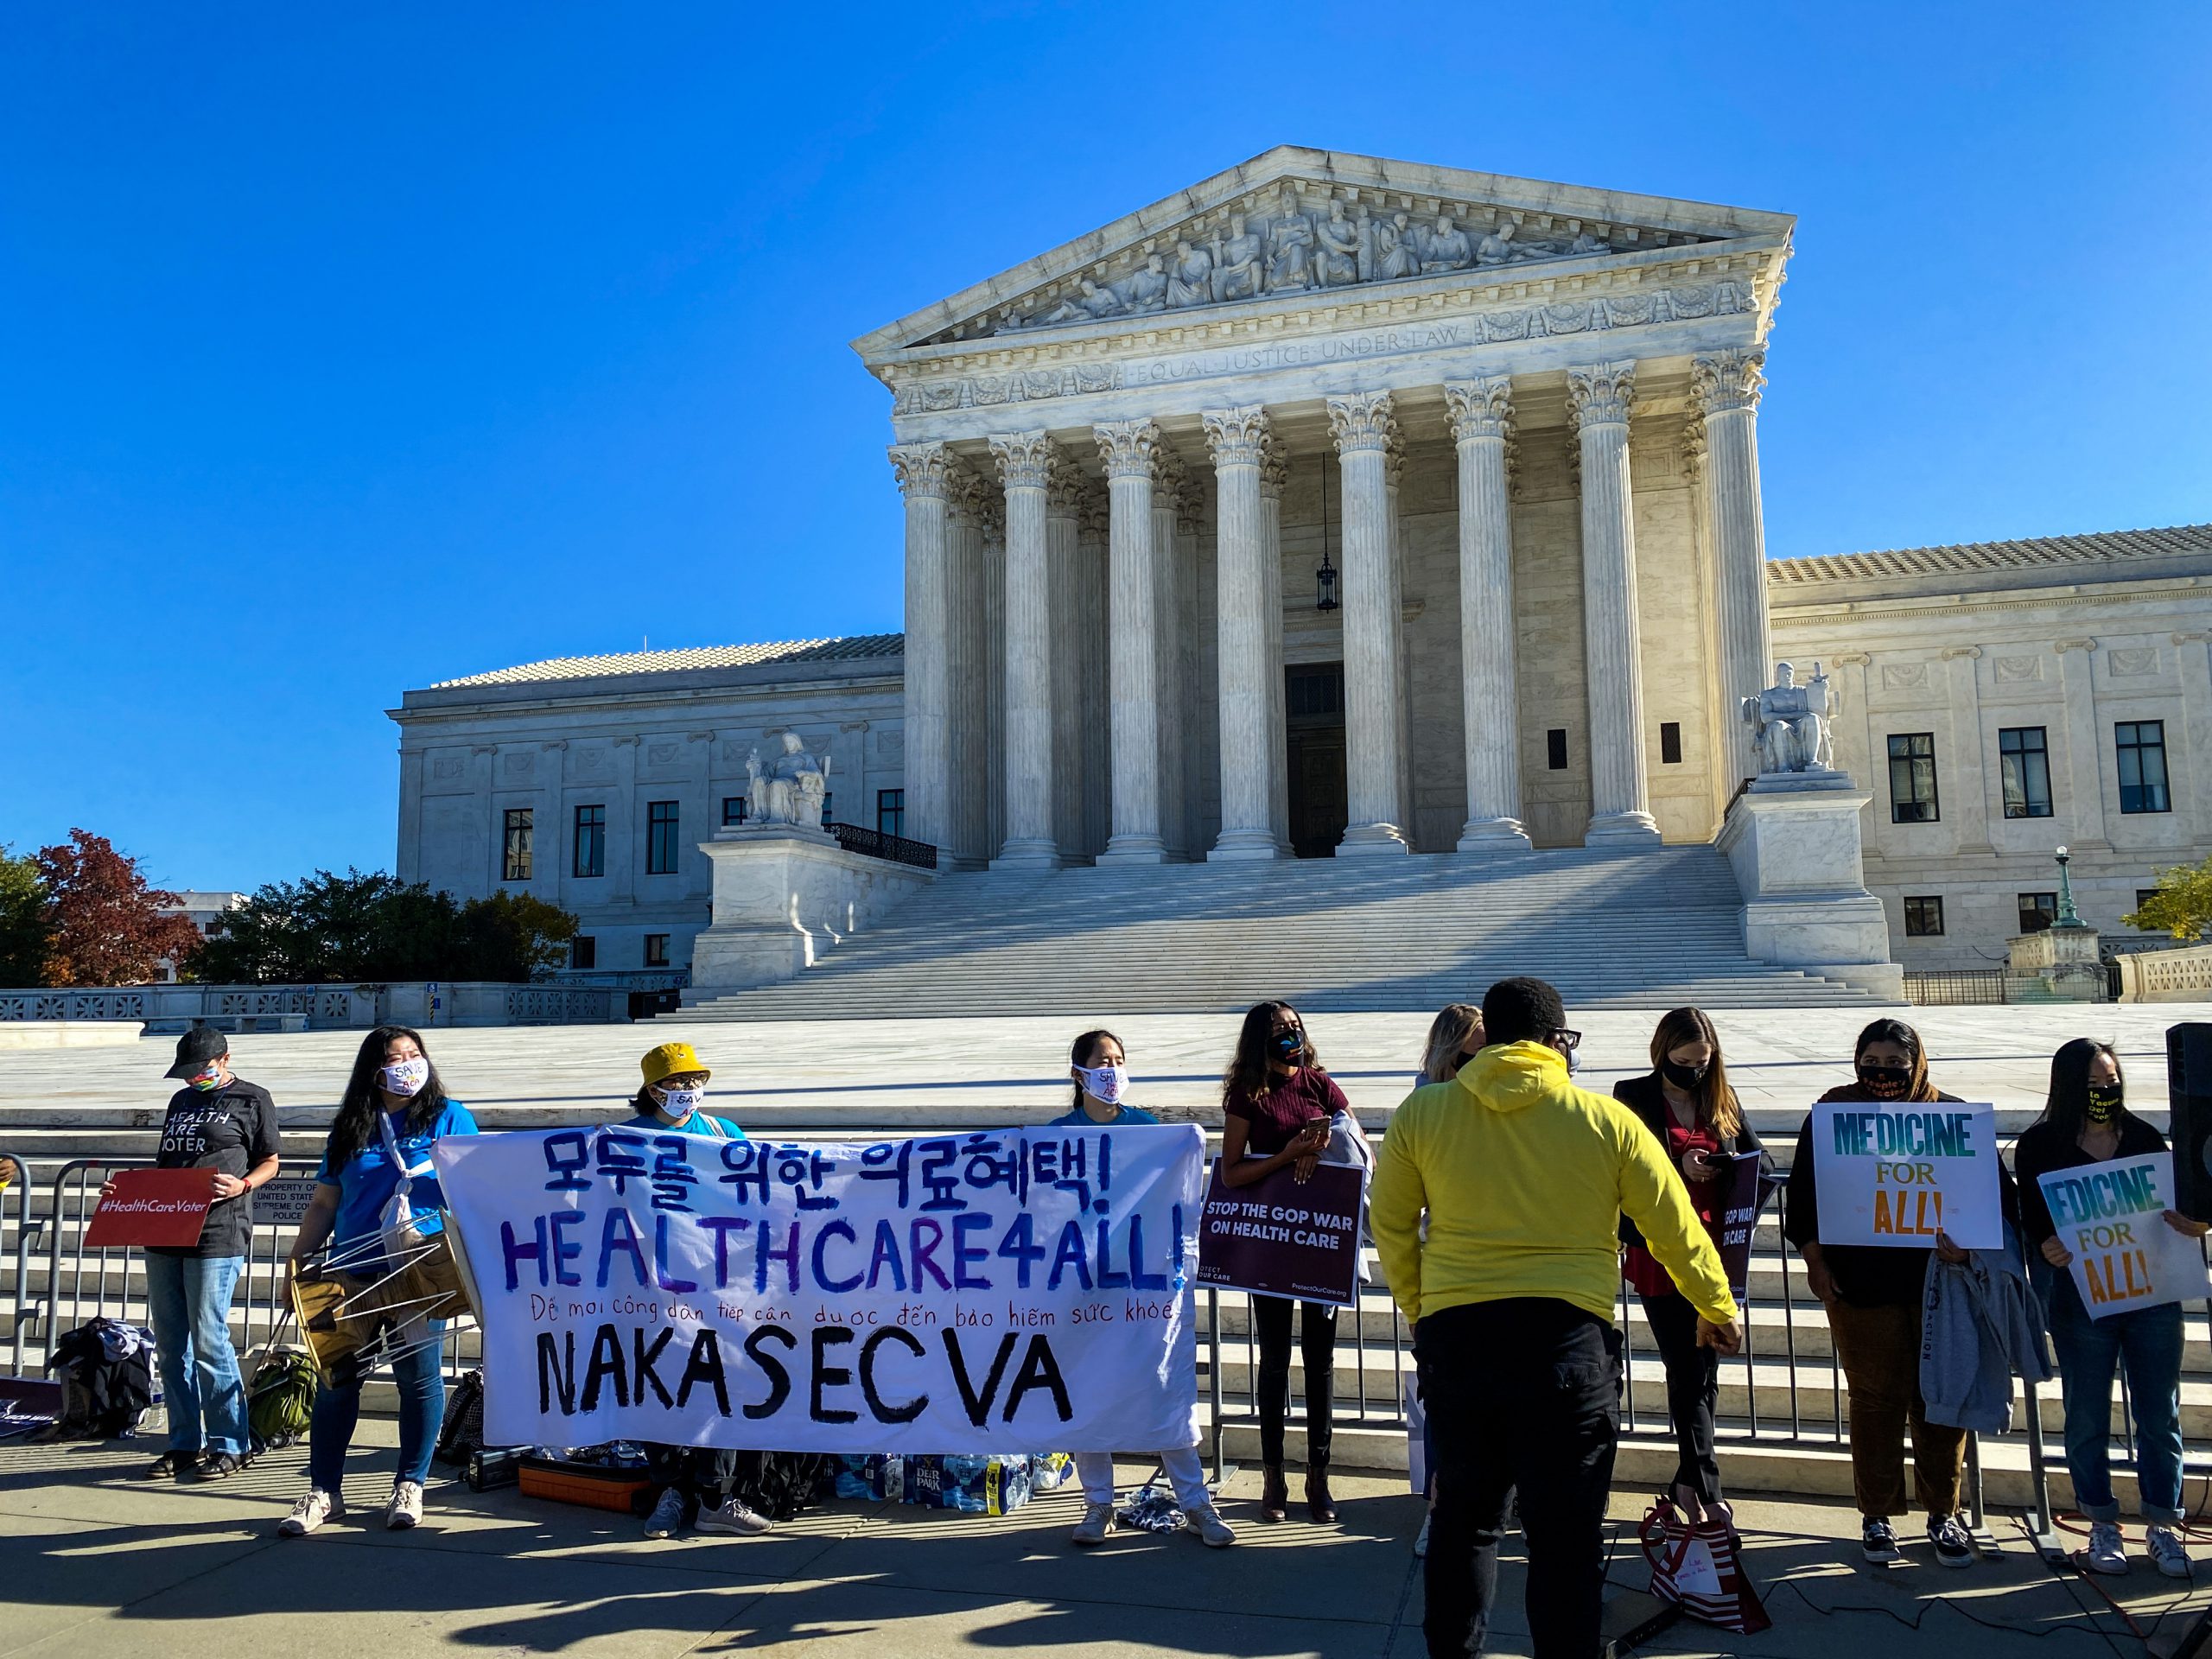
(231, 1128)
(2041, 1149)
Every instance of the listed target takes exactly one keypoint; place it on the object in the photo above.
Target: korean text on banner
(960, 1294)
(1280, 1237)
(1899, 1175)
(2112, 1216)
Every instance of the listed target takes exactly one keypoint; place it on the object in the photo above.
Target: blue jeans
(189, 1299)
(422, 1413)
(2148, 1341)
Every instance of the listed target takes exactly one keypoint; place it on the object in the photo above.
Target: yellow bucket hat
(668, 1059)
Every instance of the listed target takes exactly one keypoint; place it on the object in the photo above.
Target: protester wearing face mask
(377, 1159)
(1873, 1297)
(227, 1126)
(1455, 1036)
(2086, 1121)
(1276, 1104)
(1686, 1102)
(1100, 1071)
(671, 1096)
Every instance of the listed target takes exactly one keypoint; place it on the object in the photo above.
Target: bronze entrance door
(1314, 704)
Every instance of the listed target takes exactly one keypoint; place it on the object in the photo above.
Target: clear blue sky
(345, 349)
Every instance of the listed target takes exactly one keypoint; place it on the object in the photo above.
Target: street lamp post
(2068, 916)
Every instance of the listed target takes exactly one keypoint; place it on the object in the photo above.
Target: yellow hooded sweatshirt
(1524, 1178)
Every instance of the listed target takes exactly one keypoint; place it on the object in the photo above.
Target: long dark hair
(1905, 1037)
(354, 1128)
(1717, 1106)
(1247, 1079)
(2066, 1107)
(1084, 1050)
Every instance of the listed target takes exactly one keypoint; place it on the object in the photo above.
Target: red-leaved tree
(106, 923)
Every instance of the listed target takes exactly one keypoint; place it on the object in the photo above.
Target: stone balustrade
(2179, 975)
(423, 1004)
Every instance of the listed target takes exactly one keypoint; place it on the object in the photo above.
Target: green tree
(511, 936)
(2180, 904)
(26, 936)
(372, 928)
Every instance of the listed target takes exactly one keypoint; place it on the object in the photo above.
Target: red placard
(153, 1206)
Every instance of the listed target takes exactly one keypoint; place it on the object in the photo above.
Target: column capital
(1065, 485)
(1025, 459)
(1190, 507)
(1235, 435)
(1362, 420)
(970, 493)
(1599, 393)
(1275, 470)
(1728, 379)
(1129, 448)
(1951, 653)
(1851, 659)
(1168, 473)
(1480, 409)
(1095, 512)
(2061, 646)
(1695, 447)
(924, 469)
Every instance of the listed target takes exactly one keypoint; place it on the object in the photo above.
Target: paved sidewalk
(92, 1562)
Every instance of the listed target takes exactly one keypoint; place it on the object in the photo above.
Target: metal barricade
(19, 1252)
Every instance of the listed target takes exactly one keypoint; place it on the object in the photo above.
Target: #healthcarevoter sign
(1898, 1174)
(2112, 1216)
(957, 1293)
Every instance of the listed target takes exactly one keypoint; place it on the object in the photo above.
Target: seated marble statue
(1339, 262)
(1237, 262)
(1499, 248)
(1089, 304)
(1396, 254)
(1145, 288)
(1190, 279)
(1290, 241)
(789, 789)
(1791, 724)
(1447, 249)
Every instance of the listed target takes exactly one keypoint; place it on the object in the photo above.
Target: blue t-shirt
(1079, 1117)
(366, 1182)
(715, 1128)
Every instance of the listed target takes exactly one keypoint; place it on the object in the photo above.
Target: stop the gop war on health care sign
(1899, 1175)
(2112, 1216)
(958, 1293)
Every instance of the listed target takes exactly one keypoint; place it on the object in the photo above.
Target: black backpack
(463, 1437)
(102, 1398)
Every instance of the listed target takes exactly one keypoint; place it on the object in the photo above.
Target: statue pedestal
(1795, 847)
(783, 895)
(2061, 963)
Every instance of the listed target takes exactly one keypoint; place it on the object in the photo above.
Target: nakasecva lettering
(1904, 1134)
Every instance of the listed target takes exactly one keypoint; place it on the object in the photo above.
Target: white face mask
(677, 1105)
(1106, 1082)
(406, 1077)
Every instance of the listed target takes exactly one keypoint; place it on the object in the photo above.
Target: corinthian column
(1128, 448)
(967, 674)
(1025, 463)
(1274, 475)
(924, 473)
(1362, 425)
(994, 528)
(1598, 399)
(1169, 626)
(1482, 426)
(1727, 388)
(1236, 436)
(1063, 587)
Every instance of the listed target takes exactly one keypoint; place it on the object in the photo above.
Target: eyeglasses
(1568, 1041)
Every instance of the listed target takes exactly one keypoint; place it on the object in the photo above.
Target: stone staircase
(1650, 929)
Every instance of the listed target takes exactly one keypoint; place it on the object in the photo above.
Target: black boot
(1319, 1506)
(1275, 1494)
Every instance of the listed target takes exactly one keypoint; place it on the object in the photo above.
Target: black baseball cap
(195, 1048)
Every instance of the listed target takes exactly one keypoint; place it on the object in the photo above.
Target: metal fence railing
(1954, 987)
(16, 1252)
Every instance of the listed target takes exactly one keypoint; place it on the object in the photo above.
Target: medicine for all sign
(2112, 1216)
(1898, 1175)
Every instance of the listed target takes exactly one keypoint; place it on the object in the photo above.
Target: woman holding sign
(1276, 1104)
(2086, 1122)
(376, 1176)
(1686, 1102)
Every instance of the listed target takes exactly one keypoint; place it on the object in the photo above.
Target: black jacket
(1647, 1098)
(2041, 1149)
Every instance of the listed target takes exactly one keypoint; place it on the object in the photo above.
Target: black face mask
(1885, 1082)
(1684, 1076)
(1288, 1045)
(2107, 1100)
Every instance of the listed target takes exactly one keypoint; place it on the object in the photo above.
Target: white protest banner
(2112, 1216)
(1027, 1289)
(1898, 1174)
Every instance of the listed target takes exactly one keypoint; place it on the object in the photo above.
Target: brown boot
(1319, 1504)
(1275, 1494)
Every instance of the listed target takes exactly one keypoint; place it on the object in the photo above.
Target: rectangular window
(514, 852)
(1670, 743)
(1912, 777)
(2144, 896)
(828, 811)
(890, 811)
(583, 952)
(1923, 917)
(2024, 761)
(2037, 911)
(732, 809)
(1555, 748)
(591, 841)
(655, 950)
(660, 838)
(2142, 746)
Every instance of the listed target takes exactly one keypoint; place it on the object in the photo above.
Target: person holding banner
(1100, 1071)
(1276, 1107)
(376, 1177)
(1685, 1101)
(2086, 1122)
(669, 1099)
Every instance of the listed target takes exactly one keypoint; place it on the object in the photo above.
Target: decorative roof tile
(848, 648)
(1973, 557)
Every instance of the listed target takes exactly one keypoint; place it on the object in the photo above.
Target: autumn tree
(2180, 904)
(26, 938)
(105, 924)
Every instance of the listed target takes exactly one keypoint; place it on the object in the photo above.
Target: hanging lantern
(1325, 585)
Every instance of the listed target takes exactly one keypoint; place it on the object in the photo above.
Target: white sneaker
(1098, 1521)
(2166, 1552)
(735, 1516)
(2105, 1553)
(310, 1512)
(667, 1517)
(406, 1509)
(1212, 1530)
